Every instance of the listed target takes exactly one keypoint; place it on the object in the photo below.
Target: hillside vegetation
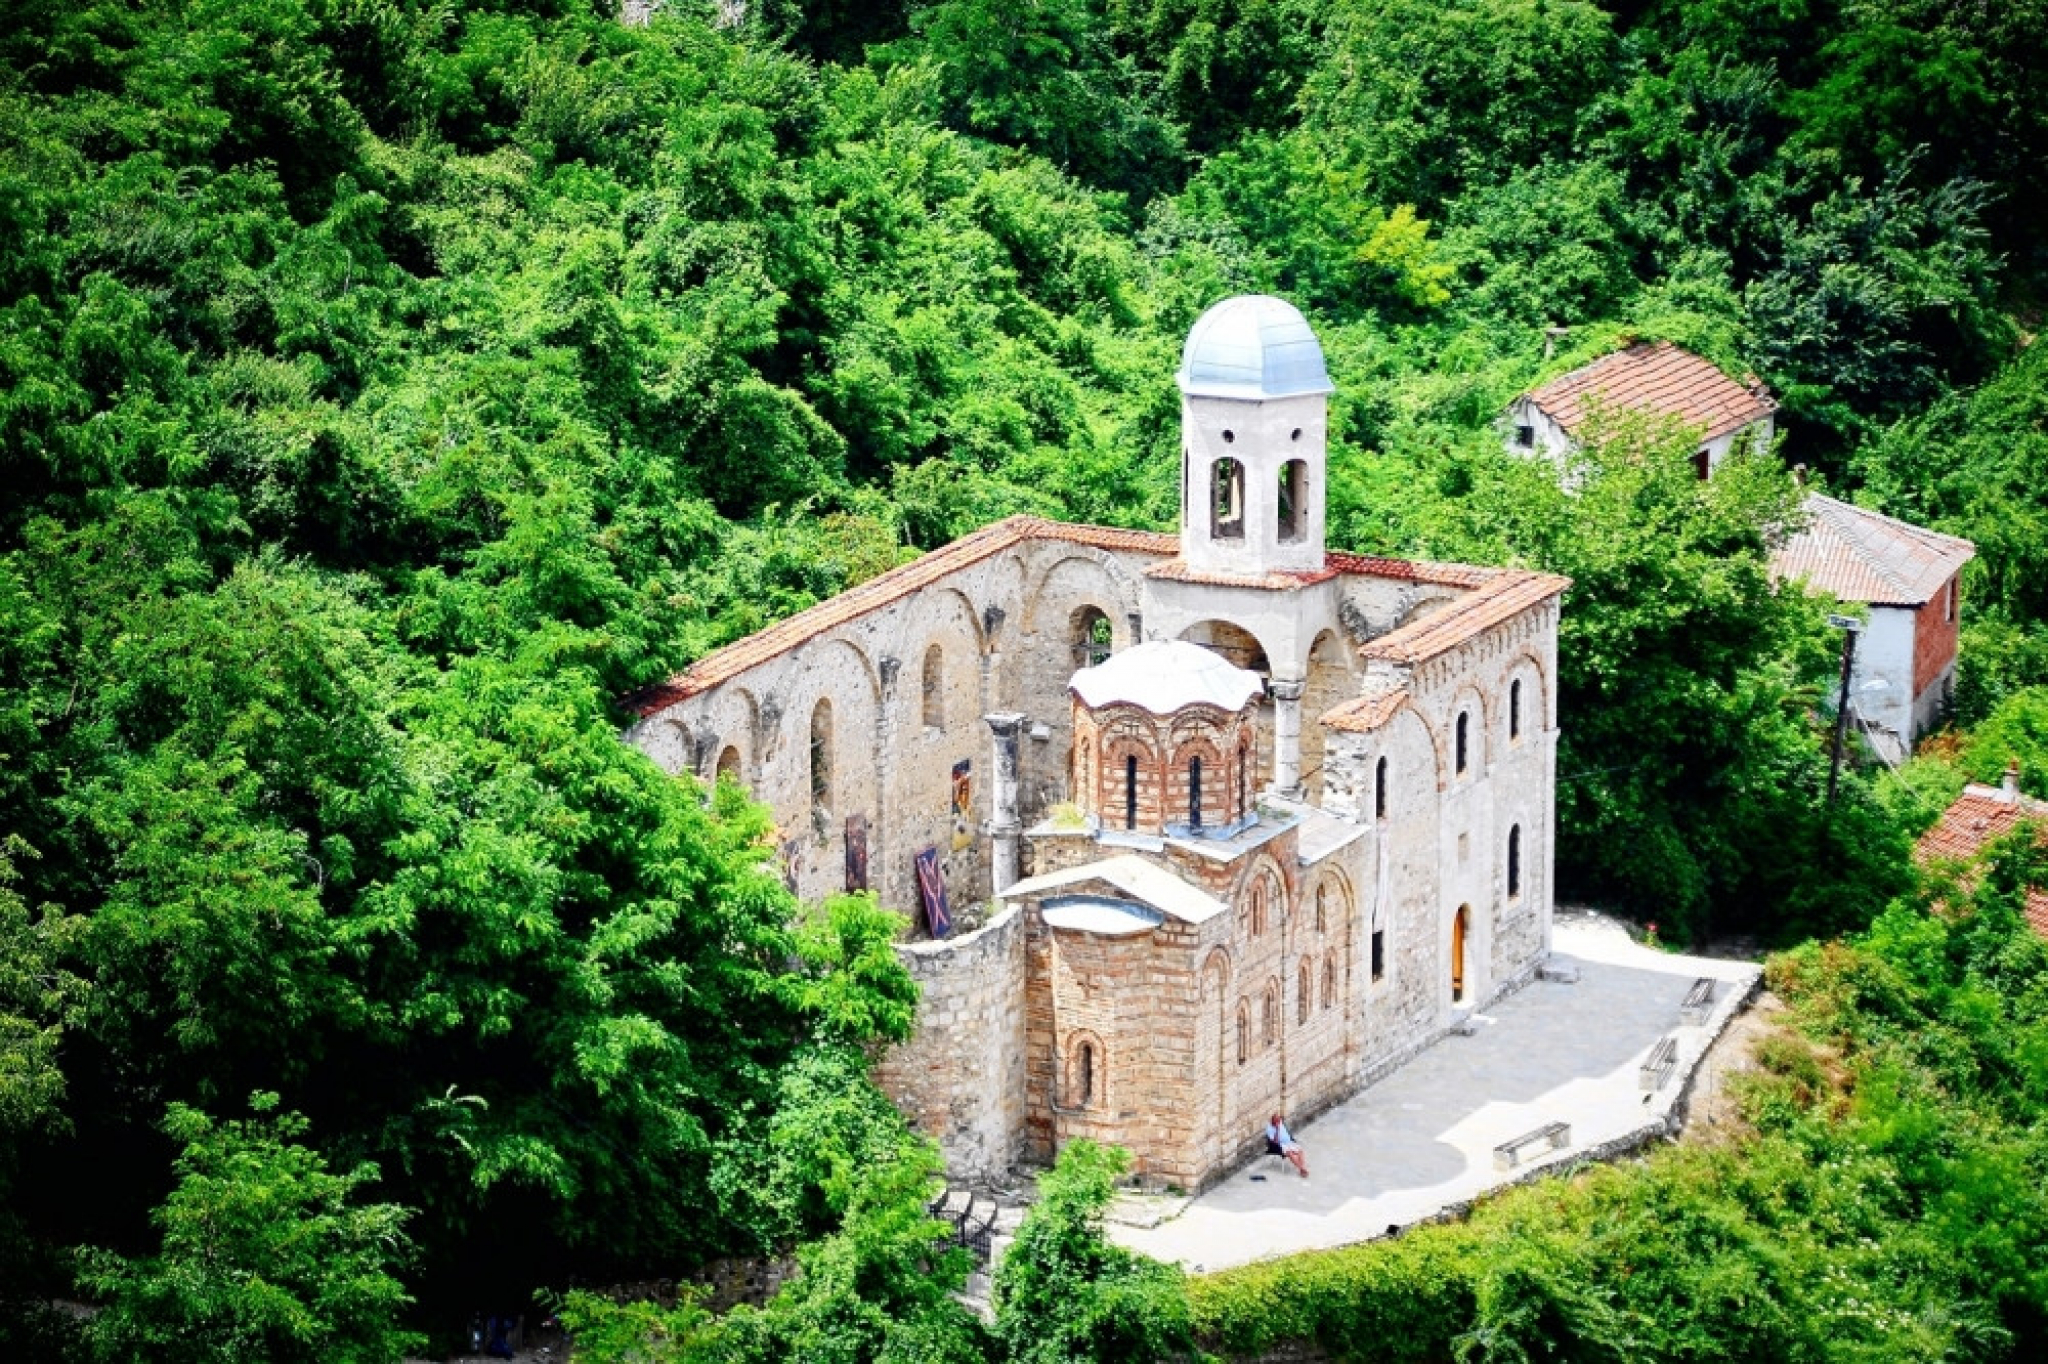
(386, 388)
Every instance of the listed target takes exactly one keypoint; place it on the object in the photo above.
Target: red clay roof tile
(1505, 596)
(1658, 378)
(1366, 713)
(722, 665)
(1980, 815)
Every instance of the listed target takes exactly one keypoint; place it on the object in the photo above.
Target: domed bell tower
(1254, 415)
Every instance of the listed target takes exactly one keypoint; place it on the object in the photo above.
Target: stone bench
(1658, 1066)
(1552, 1136)
(1699, 1002)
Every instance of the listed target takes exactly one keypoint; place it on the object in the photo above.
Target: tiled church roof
(1658, 378)
(1861, 555)
(1508, 594)
(722, 665)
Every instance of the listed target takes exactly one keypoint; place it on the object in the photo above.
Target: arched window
(1259, 909)
(821, 759)
(1515, 711)
(1379, 790)
(1515, 862)
(1322, 909)
(1330, 981)
(1089, 630)
(1464, 736)
(1084, 1075)
(1291, 506)
(1304, 994)
(1244, 1032)
(1244, 781)
(1269, 1020)
(1131, 791)
(1194, 793)
(934, 688)
(1226, 500)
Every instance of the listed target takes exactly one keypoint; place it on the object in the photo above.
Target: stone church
(1230, 821)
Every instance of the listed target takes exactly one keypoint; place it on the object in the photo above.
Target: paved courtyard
(1423, 1138)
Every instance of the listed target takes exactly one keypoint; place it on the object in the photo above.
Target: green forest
(388, 388)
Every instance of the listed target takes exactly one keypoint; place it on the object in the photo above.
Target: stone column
(1004, 825)
(1287, 736)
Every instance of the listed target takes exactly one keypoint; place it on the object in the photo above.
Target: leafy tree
(265, 1255)
(1041, 73)
(1690, 771)
(1063, 1293)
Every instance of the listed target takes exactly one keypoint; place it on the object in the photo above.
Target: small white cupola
(1165, 741)
(1254, 414)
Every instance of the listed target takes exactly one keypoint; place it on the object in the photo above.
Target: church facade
(1231, 822)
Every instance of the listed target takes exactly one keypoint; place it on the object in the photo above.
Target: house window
(1131, 791)
(1269, 1016)
(1259, 909)
(1515, 863)
(1322, 909)
(1379, 790)
(1330, 981)
(1084, 1075)
(1702, 463)
(1950, 612)
(1244, 1032)
(1226, 499)
(1464, 747)
(1379, 953)
(1244, 762)
(934, 688)
(1194, 793)
(1515, 710)
(1525, 437)
(1304, 995)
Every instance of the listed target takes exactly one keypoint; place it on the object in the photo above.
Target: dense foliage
(385, 389)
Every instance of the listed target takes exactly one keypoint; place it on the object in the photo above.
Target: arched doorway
(1459, 926)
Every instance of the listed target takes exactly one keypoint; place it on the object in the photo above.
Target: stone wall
(960, 1078)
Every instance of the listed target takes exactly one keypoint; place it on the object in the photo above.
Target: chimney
(2009, 788)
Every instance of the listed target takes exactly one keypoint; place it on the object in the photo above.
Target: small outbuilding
(1905, 665)
(1657, 378)
(1978, 816)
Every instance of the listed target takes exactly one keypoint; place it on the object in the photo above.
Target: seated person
(1280, 1142)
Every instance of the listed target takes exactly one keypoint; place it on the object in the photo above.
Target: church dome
(1161, 676)
(1252, 346)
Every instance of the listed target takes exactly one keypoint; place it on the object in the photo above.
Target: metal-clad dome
(1252, 346)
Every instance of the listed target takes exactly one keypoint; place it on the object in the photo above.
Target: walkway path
(1423, 1138)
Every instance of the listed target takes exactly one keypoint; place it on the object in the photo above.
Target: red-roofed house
(1980, 815)
(1906, 658)
(1657, 378)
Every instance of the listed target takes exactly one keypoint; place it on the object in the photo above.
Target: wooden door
(1458, 927)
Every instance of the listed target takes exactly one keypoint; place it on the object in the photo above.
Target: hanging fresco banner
(931, 893)
(856, 852)
(963, 803)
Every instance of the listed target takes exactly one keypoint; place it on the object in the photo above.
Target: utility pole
(1850, 628)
